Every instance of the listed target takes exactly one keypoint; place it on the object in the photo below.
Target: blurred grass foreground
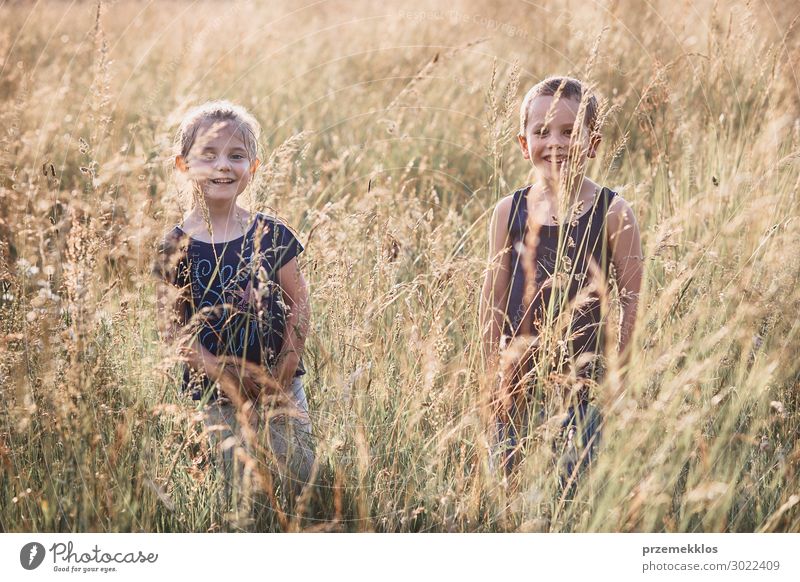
(388, 138)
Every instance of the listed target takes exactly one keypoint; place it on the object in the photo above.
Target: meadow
(388, 137)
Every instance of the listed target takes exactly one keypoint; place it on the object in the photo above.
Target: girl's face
(552, 142)
(218, 161)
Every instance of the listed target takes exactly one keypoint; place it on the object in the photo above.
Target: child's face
(552, 142)
(218, 161)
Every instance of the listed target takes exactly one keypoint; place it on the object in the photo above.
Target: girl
(238, 314)
(542, 289)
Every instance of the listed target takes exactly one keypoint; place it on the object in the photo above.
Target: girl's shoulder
(273, 234)
(268, 219)
(266, 223)
(172, 240)
(169, 254)
(276, 240)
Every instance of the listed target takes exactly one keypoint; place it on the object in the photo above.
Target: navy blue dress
(231, 297)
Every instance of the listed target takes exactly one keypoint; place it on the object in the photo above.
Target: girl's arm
(494, 294)
(170, 310)
(295, 295)
(172, 330)
(168, 318)
(169, 302)
(627, 258)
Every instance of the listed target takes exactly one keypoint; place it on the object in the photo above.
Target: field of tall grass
(388, 138)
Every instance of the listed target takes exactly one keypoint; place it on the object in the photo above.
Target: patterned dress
(231, 296)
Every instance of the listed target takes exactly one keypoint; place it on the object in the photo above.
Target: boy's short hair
(566, 88)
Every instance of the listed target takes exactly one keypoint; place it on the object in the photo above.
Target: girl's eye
(567, 132)
(208, 156)
(542, 132)
(237, 156)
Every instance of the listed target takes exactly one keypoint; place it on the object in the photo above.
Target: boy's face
(219, 161)
(553, 143)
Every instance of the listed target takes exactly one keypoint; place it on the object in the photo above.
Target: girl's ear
(180, 163)
(254, 165)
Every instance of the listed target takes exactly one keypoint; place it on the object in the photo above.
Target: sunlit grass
(406, 152)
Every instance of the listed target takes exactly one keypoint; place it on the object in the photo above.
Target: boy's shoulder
(619, 209)
(505, 206)
(517, 194)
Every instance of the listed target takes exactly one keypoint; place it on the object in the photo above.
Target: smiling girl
(232, 299)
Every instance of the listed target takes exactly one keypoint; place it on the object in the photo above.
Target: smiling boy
(547, 243)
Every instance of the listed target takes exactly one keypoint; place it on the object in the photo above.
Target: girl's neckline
(585, 213)
(256, 216)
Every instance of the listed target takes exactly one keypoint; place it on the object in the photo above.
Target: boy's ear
(594, 143)
(523, 143)
(180, 163)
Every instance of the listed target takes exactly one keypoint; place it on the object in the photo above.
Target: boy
(548, 244)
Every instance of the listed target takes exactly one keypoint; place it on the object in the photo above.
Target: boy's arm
(627, 258)
(497, 276)
(295, 295)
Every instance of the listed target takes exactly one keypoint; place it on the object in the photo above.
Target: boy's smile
(552, 142)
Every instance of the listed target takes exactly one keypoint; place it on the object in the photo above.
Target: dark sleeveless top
(231, 292)
(585, 237)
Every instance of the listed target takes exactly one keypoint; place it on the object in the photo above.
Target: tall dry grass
(409, 149)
